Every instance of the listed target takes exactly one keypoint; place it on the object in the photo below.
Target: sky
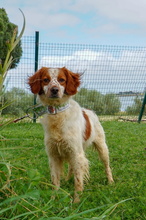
(106, 22)
(86, 22)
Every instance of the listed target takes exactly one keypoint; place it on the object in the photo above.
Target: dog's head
(54, 82)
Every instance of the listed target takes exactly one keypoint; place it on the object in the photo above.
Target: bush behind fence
(113, 82)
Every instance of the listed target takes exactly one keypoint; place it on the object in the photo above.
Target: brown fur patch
(35, 81)
(88, 126)
(72, 83)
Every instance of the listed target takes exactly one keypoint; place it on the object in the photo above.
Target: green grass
(25, 186)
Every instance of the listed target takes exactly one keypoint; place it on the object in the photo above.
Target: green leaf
(34, 175)
(22, 31)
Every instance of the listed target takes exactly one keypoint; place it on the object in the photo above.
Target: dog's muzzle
(54, 92)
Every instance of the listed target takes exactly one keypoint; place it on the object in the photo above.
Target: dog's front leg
(56, 169)
(78, 187)
(70, 172)
(81, 172)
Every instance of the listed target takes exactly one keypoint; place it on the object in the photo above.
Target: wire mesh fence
(113, 81)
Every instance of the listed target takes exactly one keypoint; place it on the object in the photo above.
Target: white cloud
(53, 14)
(46, 21)
(111, 69)
(94, 62)
(78, 61)
(124, 11)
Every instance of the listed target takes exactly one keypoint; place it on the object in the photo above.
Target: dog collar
(40, 110)
(53, 110)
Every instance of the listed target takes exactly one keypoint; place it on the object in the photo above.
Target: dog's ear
(73, 81)
(34, 82)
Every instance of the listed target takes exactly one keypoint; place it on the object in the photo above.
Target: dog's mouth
(54, 97)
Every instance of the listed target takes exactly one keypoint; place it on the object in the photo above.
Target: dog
(69, 129)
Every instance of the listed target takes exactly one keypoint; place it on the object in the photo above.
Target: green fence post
(36, 63)
(142, 109)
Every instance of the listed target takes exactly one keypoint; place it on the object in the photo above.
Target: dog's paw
(76, 200)
(110, 181)
(77, 196)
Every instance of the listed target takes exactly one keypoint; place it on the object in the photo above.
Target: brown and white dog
(69, 129)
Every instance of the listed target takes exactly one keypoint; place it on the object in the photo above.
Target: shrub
(112, 104)
(21, 101)
(108, 104)
(136, 107)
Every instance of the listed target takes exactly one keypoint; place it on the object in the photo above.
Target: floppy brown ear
(35, 82)
(73, 81)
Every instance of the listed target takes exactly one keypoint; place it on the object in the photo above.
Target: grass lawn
(25, 186)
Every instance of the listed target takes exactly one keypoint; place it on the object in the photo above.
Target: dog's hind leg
(103, 152)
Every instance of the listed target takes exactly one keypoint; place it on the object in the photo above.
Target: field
(26, 190)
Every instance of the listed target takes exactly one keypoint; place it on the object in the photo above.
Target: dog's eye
(61, 80)
(46, 80)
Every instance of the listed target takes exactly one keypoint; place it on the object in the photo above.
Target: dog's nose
(54, 90)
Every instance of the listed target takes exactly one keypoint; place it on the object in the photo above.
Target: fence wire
(114, 79)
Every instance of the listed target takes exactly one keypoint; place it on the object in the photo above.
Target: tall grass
(26, 190)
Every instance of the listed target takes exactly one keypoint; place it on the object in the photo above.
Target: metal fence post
(142, 109)
(36, 63)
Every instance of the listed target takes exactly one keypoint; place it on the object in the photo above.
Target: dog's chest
(59, 125)
(56, 127)
(60, 148)
(57, 136)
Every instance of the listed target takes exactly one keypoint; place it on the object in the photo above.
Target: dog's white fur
(68, 133)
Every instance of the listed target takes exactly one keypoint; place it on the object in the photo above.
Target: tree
(112, 104)
(8, 60)
(136, 107)
(6, 32)
(108, 104)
